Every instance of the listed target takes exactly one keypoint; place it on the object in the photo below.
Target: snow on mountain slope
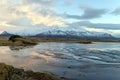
(71, 33)
(55, 33)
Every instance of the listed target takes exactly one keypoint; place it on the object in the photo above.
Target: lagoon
(71, 61)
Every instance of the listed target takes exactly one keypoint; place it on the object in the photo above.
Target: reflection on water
(97, 61)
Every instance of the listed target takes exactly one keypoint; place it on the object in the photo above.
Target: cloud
(116, 11)
(110, 31)
(96, 25)
(113, 29)
(20, 15)
(68, 2)
(1, 31)
(4, 26)
(43, 2)
(48, 19)
(89, 13)
(3, 23)
(93, 29)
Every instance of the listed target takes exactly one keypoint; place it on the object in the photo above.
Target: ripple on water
(68, 60)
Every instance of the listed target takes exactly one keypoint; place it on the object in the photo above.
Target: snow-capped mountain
(55, 33)
(5, 33)
(73, 34)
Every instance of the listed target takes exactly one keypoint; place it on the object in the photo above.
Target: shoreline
(8, 72)
(28, 41)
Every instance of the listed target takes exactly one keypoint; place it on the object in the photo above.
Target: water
(73, 61)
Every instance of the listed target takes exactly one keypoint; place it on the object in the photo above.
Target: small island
(16, 40)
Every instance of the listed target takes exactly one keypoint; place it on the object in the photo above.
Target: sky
(34, 16)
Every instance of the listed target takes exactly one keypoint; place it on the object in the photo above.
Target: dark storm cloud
(89, 13)
(116, 11)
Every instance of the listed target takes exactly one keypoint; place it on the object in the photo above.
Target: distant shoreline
(33, 41)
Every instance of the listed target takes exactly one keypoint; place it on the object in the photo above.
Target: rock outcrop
(8, 72)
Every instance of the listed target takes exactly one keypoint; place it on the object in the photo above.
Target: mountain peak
(5, 33)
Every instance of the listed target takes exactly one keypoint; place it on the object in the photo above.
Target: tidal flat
(69, 61)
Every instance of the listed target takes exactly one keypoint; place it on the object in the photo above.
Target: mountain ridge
(73, 34)
(67, 34)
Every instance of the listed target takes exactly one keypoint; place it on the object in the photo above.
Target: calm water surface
(73, 61)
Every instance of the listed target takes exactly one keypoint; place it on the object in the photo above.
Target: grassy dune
(4, 41)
